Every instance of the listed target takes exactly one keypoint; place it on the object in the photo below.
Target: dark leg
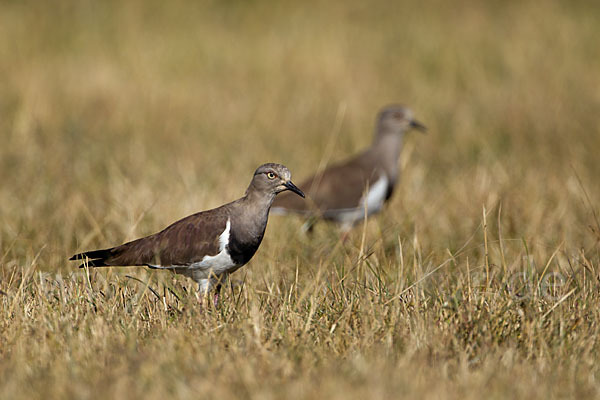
(309, 226)
(216, 295)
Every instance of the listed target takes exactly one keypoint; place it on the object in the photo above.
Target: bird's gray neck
(386, 148)
(258, 201)
(248, 217)
(253, 209)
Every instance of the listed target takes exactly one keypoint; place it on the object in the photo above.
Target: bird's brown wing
(182, 243)
(340, 186)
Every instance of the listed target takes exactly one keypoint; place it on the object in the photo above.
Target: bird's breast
(243, 244)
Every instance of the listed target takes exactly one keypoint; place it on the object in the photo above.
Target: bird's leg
(205, 287)
(216, 295)
(345, 236)
(203, 290)
(345, 229)
(309, 226)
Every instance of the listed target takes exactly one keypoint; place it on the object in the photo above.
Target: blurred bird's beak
(418, 126)
(290, 186)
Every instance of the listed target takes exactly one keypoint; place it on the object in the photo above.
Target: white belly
(375, 197)
(219, 263)
(372, 202)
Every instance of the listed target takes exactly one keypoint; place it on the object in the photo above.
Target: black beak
(290, 186)
(418, 126)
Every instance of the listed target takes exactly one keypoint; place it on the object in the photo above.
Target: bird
(343, 192)
(209, 245)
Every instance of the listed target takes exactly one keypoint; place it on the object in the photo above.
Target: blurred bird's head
(271, 179)
(397, 119)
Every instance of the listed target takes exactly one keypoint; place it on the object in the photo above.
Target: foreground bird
(209, 245)
(343, 192)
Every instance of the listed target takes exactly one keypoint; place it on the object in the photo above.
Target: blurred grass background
(117, 118)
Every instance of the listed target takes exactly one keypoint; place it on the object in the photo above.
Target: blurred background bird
(345, 191)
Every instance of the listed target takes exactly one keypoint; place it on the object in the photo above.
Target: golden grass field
(480, 279)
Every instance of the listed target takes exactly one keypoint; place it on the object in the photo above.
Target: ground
(480, 278)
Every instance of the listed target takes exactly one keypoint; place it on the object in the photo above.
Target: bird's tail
(94, 258)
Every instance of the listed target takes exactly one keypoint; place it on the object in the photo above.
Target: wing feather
(182, 243)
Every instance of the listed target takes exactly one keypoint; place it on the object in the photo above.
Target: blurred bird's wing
(338, 187)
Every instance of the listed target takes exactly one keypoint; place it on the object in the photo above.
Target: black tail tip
(92, 255)
(93, 264)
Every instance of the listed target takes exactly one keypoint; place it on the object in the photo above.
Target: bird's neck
(249, 216)
(387, 147)
(253, 212)
(258, 200)
(257, 204)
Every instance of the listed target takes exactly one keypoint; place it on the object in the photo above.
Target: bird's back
(341, 186)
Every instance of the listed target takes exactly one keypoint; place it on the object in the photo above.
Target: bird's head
(273, 178)
(397, 119)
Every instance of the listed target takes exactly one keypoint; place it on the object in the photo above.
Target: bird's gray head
(273, 178)
(397, 119)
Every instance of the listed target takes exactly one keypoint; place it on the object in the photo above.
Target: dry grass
(480, 280)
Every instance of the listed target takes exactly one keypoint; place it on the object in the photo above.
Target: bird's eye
(271, 175)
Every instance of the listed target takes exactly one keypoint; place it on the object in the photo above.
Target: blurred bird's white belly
(375, 197)
(372, 202)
